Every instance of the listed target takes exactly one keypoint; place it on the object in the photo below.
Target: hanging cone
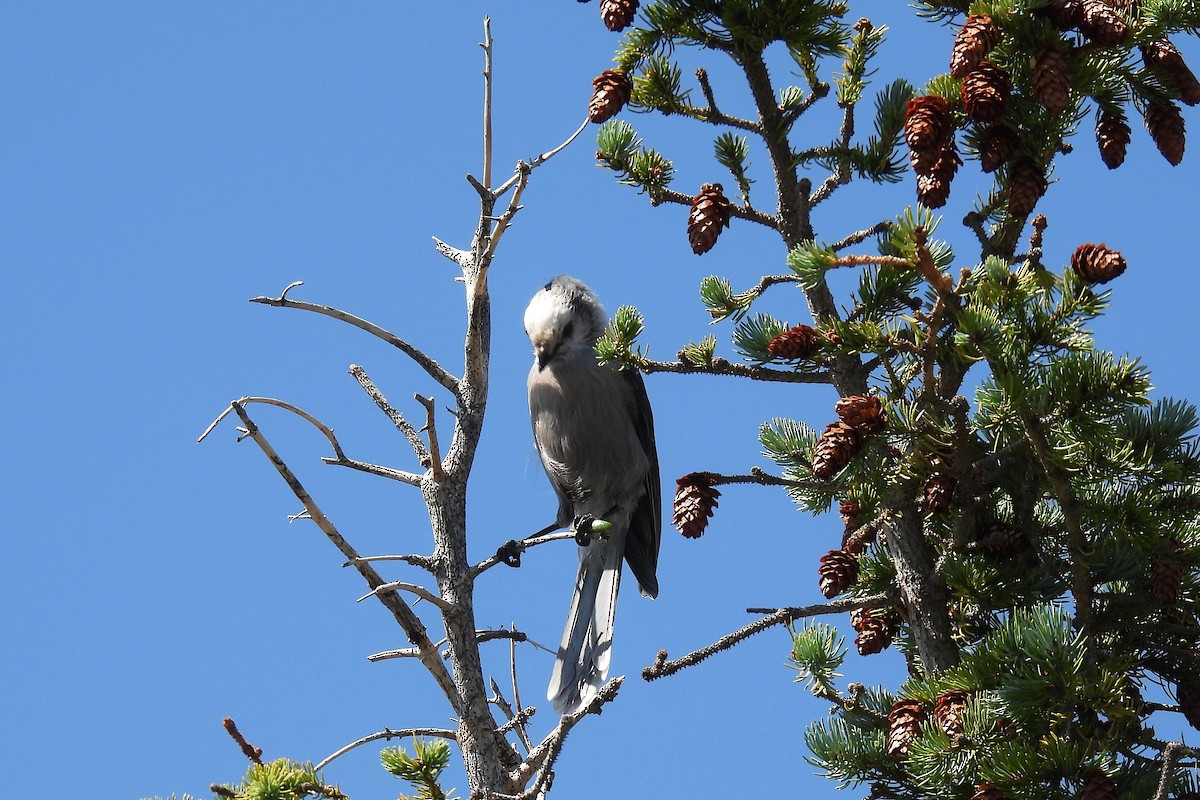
(875, 629)
(1026, 185)
(695, 499)
(837, 572)
(948, 710)
(710, 213)
(996, 146)
(1096, 263)
(1101, 24)
(1163, 55)
(862, 412)
(1098, 786)
(998, 539)
(1112, 135)
(1187, 693)
(988, 791)
(1165, 124)
(927, 122)
(1166, 579)
(798, 342)
(985, 92)
(934, 179)
(617, 14)
(904, 725)
(936, 492)
(839, 443)
(849, 511)
(1052, 80)
(978, 35)
(610, 92)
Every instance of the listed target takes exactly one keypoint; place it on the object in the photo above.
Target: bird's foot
(583, 529)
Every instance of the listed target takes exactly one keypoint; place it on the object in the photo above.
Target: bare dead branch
(386, 734)
(779, 616)
(435, 452)
(858, 237)
(419, 591)
(402, 424)
(424, 562)
(510, 552)
(411, 478)
(431, 367)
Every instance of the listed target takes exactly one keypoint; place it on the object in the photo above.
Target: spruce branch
(387, 734)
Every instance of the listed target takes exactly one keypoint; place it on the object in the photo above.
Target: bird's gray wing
(645, 526)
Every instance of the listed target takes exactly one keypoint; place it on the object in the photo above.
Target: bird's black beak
(544, 356)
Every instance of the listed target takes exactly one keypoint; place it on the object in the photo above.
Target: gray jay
(595, 436)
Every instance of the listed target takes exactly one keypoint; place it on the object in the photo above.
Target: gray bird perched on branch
(595, 435)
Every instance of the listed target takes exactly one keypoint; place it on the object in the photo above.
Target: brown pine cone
(849, 510)
(996, 146)
(934, 178)
(1166, 127)
(861, 411)
(695, 499)
(1096, 263)
(927, 122)
(988, 791)
(1026, 185)
(985, 92)
(710, 213)
(1098, 786)
(1163, 55)
(610, 92)
(1187, 693)
(1100, 23)
(838, 445)
(837, 572)
(998, 539)
(948, 710)
(1112, 136)
(978, 35)
(904, 725)
(1052, 80)
(875, 628)
(617, 14)
(1166, 579)
(937, 491)
(798, 342)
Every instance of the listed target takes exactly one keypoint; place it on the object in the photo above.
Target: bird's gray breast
(582, 416)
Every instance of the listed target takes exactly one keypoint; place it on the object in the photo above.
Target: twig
(251, 752)
(419, 591)
(411, 478)
(424, 562)
(403, 614)
(510, 552)
(486, 44)
(431, 367)
(858, 237)
(711, 114)
(740, 211)
(386, 734)
(435, 453)
(779, 616)
(402, 424)
(721, 366)
(756, 476)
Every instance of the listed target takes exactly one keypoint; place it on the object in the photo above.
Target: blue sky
(164, 162)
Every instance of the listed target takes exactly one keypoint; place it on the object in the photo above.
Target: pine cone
(1098, 786)
(1187, 693)
(695, 499)
(934, 179)
(875, 628)
(839, 443)
(1096, 263)
(978, 35)
(862, 412)
(996, 146)
(1112, 135)
(798, 342)
(1052, 80)
(927, 122)
(710, 213)
(998, 539)
(948, 711)
(849, 510)
(1065, 14)
(936, 491)
(1165, 124)
(1166, 576)
(985, 92)
(988, 791)
(1098, 22)
(610, 92)
(617, 14)
(838, 571)
(1163, 55)
(1026, 185)
(904, 725)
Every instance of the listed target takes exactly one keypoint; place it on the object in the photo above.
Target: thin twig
(721, 366)
(419, 591)
(435, 452)
(402, 424)
(424, 562)
(756, 476)
(740, 211)
(486, 44)
(510, 552)
(411, 478)
(1171, 755)
(858, 237)
(431, 367)
(250, 751)
(780, 616)
(386, 734)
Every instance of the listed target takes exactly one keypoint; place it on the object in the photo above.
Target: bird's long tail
(581, 666)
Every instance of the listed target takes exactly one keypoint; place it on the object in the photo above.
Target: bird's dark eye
(568, 329)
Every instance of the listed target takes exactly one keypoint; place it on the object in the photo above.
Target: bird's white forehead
(546, 313)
